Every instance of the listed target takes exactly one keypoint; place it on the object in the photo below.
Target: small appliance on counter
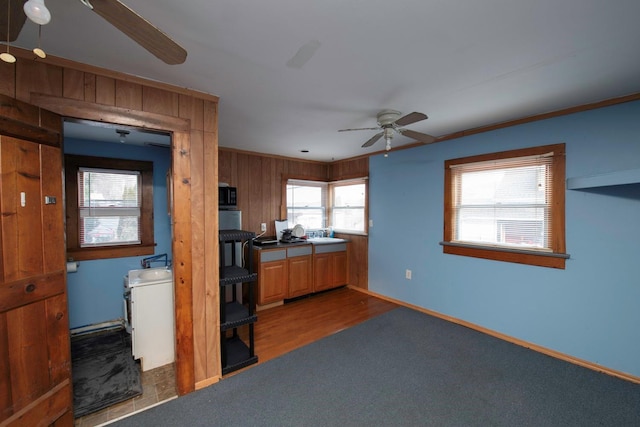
(293, 235)
(265, 240)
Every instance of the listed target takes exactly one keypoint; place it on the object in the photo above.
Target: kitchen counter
(314, 241)
(326, 240)
(279, 245)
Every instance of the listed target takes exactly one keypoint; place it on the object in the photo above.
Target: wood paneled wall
(81, 91)
(86, 92)
(356, 167)
(259, 182)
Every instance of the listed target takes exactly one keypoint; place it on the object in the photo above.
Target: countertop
(315, 241)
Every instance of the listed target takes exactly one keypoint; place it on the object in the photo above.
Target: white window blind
(109, 204)
(505, 203)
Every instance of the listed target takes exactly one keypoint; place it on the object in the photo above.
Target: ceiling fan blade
(373, 140)
(15, 19)
(411, 118)
(422, 137)
(139, 30)
(348, 130)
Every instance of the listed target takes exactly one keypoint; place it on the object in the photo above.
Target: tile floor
(157, 385)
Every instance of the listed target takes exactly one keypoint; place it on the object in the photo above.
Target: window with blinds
(109, 205)
(316, 205)
(510, 201)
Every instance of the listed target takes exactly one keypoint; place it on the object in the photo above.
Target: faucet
(146, 262)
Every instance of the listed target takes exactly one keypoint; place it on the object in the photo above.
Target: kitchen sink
(321, 240)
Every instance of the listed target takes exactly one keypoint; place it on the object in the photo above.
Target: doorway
(182, 190)
(97, 309)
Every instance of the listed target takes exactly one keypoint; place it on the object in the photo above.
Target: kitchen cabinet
(300, 277)
(234, 313)
(330, 266)
(286, 272)
(272, 269)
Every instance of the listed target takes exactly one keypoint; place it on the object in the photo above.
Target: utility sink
(155, 274)
(325, 240)
(148, 275)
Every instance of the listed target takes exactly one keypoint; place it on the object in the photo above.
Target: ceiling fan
(391, 121)
(113, 11)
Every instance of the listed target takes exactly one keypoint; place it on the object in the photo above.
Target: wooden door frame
(180, 130)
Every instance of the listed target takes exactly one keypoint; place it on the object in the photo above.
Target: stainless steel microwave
(227, 197)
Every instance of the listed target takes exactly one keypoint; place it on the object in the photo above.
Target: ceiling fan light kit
(37, 12)
(391, 121)
(115, 13)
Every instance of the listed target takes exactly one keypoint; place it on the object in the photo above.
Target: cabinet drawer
(334, 247)
(275, 255)
(299, 251)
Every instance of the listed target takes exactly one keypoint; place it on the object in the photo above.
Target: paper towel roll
(72, 267)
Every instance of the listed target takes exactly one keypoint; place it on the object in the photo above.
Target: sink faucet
(146, 262)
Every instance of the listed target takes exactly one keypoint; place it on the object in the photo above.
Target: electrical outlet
(407, 274)
(263, 227)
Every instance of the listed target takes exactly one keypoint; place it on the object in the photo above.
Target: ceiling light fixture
(37, 12)
(388, 136)
(38, 50)
(123, 134)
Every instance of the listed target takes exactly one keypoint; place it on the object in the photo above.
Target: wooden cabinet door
(300, 276)
(35, 366)
(272, 282)
(339, 270)
(321, 272)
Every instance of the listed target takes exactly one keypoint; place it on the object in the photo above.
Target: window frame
(554, 259)
(324, 206)
(365, 209)
(328, 208)
(72, 166)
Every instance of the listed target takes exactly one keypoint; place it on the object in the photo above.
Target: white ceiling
(463, 63)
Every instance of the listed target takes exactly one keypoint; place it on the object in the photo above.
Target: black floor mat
(103, 370)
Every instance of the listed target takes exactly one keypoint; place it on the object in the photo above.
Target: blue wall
(590, 310)
(95, 291)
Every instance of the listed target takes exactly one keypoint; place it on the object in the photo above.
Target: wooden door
(35, 367)
(300, 276)
(339, 269)
(321, 272)
(272, 278)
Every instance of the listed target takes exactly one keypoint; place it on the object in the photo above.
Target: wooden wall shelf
(624, 177)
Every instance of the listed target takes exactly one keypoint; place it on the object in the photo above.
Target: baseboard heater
(98, 327)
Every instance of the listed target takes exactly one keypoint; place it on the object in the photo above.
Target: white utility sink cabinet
(152, 317)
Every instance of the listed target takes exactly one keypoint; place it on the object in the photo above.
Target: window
(348, 205)
(109, 207)
(307, 203)
(507, 206)
(318, 204)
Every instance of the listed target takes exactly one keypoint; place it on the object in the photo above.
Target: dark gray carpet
(103, 371)
(406, 368)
